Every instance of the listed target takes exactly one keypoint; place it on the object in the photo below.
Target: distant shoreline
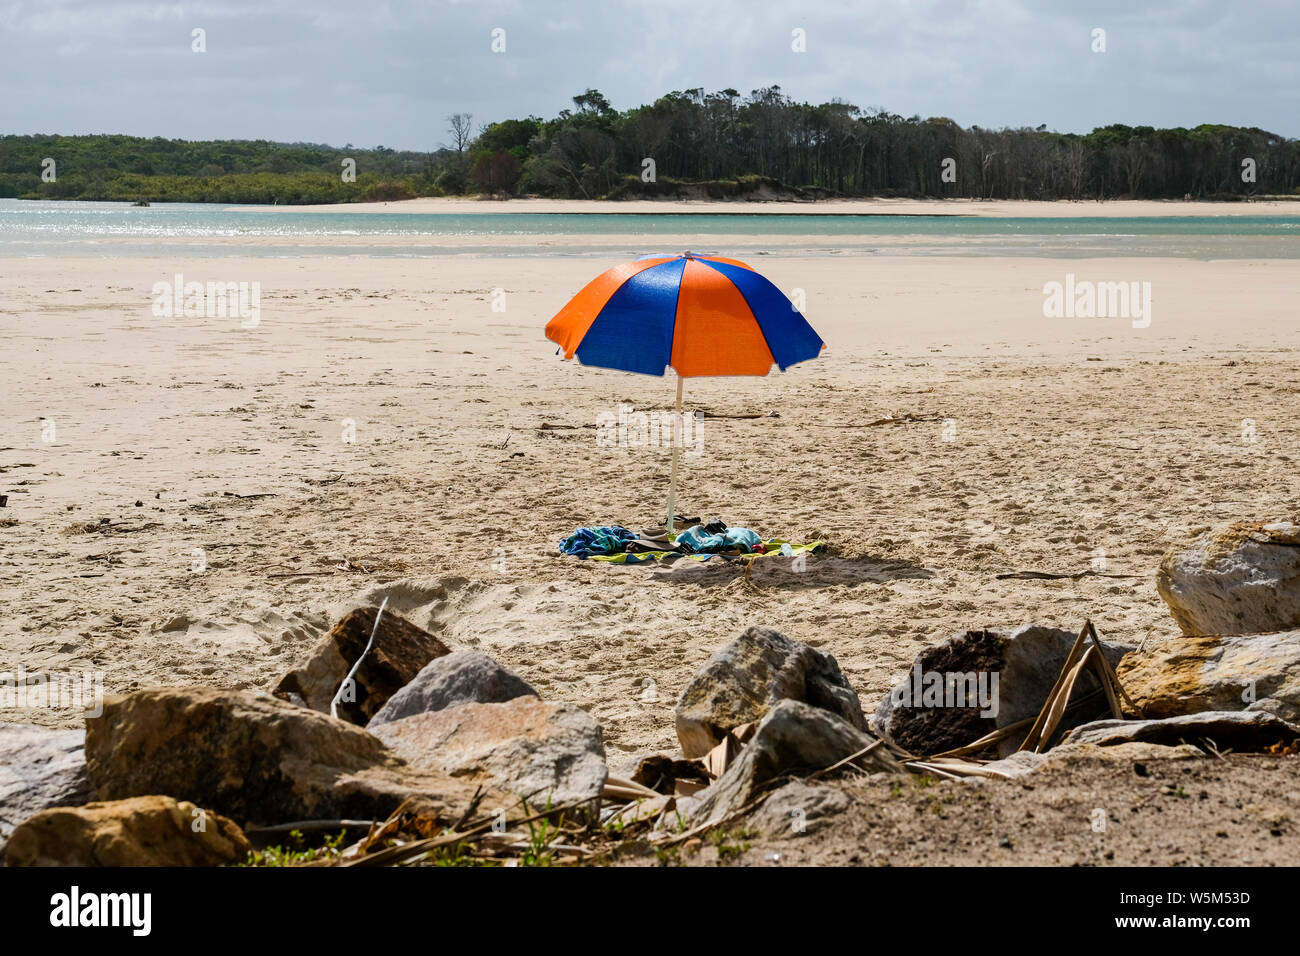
(996, 208)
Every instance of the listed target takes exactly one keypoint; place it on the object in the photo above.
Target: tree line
(686, 142)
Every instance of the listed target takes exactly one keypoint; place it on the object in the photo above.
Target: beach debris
(347, 686)
(141, 831)
(539, 838)
(1212, 731)
(1177, 674)
(548, 753)
(743, 680)
(39, 768)
(792, 738)
(1087, 658)
(671, 775)
(709, 413)
(1240, 579)
(1055, 576)
(258, 759)
(461, 677)
(399, 651)
(907, 419)
(621, 788)
(1016, 765)
(988, 688)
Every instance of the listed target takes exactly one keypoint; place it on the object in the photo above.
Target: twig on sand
(309, 826)
(407, 851)
(264, 494)
(706, 413)
(891, 420)
(1053, 576)
(849, 759)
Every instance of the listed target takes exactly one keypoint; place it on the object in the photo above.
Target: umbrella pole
(679, 434)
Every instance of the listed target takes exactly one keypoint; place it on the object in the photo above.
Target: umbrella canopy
(699, 315)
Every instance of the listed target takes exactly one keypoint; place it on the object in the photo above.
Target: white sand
(453, 499)
(881, 207)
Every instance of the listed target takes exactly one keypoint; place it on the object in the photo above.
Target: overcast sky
(387, 72)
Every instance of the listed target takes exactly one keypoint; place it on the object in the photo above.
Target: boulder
(1242, 579)
(142, 831)
(1180, 674)
(257, 759)
(798, 808)
(793, 738)
(539, 750)
(742, 681)
(1133, 750)
(39, 768)
(978, 681)
(1256, 732)
(461, 677)
(400, 650)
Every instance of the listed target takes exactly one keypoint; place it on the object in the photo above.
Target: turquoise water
(116, 229)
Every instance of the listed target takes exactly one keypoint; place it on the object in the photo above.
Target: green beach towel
(772, 548)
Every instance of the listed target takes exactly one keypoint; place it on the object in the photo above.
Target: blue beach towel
(697, 540)
(605, 539)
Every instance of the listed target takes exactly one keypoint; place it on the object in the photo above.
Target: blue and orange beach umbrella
(696, 314)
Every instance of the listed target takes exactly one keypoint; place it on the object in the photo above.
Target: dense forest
(687, 143)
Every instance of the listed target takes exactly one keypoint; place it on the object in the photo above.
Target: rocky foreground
(1035, 745)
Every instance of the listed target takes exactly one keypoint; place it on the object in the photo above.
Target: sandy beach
(198, 516)
(1002, 208)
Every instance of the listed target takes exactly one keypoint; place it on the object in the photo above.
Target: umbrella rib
(677, 304)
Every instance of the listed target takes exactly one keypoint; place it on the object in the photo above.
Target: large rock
(798, 808)
(400, 650)
(1226, 730)
(536, 749)
(143, 831)
(1242, 579)
(1185, 675)
(793, 738)
(1131, 750)
(979, 681)
(742, 681)
(39, 768)
(461, 677)
(256, 759)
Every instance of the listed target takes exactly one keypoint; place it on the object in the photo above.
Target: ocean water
(52, 228)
